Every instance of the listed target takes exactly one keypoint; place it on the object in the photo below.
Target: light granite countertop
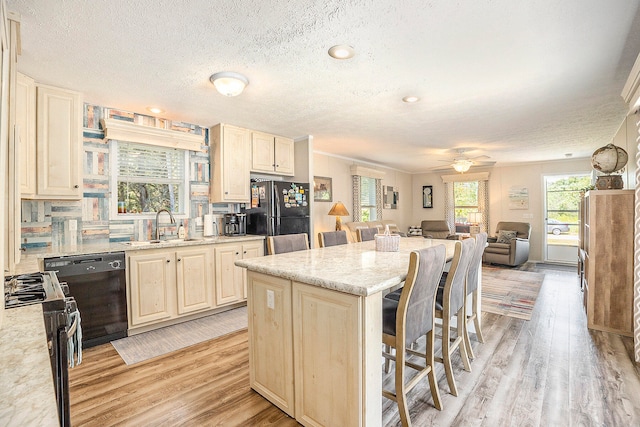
(354, 268)
(30, 260)
(27, 394)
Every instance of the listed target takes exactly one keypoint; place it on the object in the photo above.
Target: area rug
(510, 292)
(141, 347)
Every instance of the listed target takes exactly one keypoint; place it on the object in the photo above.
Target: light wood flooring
(549, 371)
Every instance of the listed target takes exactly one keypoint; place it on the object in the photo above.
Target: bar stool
(287, 243)
(332, 238)
(366, 234)
(472, 292)
(406, 320)
(450, 301)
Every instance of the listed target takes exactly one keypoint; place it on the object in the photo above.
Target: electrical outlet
(271, 303)
(73, 225)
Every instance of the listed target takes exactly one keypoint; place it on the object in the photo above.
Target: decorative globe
(609, 159)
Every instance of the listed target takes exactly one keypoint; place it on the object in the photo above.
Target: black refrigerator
(279, 207)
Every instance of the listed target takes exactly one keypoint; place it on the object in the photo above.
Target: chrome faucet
(173, 221)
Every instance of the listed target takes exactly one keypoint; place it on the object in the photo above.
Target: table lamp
(475, 218)
(338, 210)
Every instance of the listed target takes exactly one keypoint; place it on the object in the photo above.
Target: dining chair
(450, 302)
(366, 234)
(332, 238)
(287, 243)
(472, 292)
(410, 318)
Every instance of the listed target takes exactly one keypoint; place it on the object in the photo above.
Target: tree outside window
(150, 178)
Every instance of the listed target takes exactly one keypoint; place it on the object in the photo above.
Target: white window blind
(145, 163)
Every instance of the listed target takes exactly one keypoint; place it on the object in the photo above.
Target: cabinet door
(150, 285)
(26, 130)
(250, 250)
(59, 143)
(284, 155)
(194, 279)
(228, 277)
(262, 152)
(235, 164)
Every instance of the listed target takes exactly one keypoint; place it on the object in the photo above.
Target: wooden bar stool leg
(461, 332)
(446, 354)
(433, 381)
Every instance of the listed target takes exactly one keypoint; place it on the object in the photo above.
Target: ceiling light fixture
(341, 51)
(229, 83)
(155, 110)
(462, 165)
(411, 99)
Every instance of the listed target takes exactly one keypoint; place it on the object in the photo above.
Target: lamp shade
(338, 209)
(475, 217)
(229, 83)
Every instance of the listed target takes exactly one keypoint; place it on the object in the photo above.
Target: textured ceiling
(517, 81)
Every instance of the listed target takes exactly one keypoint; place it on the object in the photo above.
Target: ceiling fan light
(462, 165)
(229, 83)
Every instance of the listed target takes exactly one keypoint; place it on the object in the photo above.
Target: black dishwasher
(98, 284)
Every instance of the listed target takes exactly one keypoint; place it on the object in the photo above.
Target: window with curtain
(367, 193)
(465, 194)
(368, 198)
(150, 178)
(465, 197)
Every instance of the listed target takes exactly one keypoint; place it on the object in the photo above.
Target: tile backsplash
(57, 222)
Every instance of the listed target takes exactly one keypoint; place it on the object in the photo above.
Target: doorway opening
(562, 209)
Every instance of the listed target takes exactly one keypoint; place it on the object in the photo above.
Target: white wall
(338, 169)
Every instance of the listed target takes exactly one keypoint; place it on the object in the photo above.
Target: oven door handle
(72, 329)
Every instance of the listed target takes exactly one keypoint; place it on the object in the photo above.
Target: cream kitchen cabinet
(167, 283)
(194, 279)
(53, 162)
(151, 286)
(231, 282)
(272, 154)
(26, 130)
(230, 160)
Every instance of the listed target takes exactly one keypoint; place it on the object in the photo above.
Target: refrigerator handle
(277, 200)
(272, 232)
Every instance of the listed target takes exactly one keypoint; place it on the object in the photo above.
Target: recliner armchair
(512, 250)
(437, 229)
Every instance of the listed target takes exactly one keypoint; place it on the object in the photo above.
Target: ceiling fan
(462, 163)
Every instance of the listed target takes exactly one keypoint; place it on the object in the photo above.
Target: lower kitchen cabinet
(151, 286)
(231, 282)
(167, 283)
(194, 274)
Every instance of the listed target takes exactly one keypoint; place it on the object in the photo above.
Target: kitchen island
(315, 329)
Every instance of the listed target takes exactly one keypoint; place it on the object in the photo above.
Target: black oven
(62, 326)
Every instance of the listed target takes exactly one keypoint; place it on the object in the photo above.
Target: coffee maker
(235, 224)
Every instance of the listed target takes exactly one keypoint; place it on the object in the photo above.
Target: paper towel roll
(208, 225)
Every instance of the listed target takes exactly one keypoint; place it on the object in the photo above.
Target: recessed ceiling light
(411, 99)
(341, 51)
(155, 110)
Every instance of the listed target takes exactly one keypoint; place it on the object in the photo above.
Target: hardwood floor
(549, 371)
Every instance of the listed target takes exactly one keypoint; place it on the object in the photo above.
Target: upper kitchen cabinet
(272, 154)
(230, 164)
(26, 131)
(50, 128)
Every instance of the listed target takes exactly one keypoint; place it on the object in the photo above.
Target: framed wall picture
(322, 191)
(427, 196)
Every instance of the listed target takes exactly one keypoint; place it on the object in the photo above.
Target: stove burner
(28, 289)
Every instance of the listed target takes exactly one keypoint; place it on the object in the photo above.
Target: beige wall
(338, 169)
(501, 179)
